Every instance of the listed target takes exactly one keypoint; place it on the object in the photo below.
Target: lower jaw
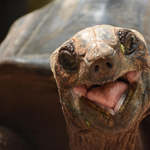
(111, 112)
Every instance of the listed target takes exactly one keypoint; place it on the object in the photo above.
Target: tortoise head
(102, 78)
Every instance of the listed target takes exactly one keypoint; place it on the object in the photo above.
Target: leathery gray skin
(98, 56)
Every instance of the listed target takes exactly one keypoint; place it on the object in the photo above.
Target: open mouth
(111, 96)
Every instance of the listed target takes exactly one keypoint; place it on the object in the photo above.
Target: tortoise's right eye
(67, 56)
(68, 60)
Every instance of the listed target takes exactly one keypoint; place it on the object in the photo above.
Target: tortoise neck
(97, 141)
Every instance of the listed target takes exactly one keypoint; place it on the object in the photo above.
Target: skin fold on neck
(96, 141)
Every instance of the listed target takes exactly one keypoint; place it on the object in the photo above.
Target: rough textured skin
(27, 106)
(101, 55)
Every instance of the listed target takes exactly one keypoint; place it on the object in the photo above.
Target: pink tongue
(107, 95)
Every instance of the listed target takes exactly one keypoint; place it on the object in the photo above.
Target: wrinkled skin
(103, 55)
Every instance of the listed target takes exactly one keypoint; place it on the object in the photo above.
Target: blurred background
(10, 10)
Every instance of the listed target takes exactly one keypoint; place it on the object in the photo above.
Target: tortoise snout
(103, 62)
(102, 68)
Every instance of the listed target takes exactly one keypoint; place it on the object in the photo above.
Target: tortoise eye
(130, 43)
(68, 60)
(128, 40)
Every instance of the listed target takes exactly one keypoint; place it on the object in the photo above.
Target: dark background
(10, 10)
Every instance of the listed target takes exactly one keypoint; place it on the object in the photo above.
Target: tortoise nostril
(109, 65)
(96, 68)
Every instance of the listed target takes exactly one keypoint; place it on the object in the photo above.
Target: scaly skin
(102, 55)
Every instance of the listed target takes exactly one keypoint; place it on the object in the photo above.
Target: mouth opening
(111, 95)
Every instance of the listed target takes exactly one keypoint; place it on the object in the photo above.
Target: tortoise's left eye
(130, 43)
(68, 60)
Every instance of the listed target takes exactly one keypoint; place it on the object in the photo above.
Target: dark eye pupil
(66, 61)
(132, 44)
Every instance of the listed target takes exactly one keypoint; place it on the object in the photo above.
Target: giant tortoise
(30, 111)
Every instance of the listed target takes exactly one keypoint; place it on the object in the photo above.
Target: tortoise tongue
(107, 95)
(110, 95)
